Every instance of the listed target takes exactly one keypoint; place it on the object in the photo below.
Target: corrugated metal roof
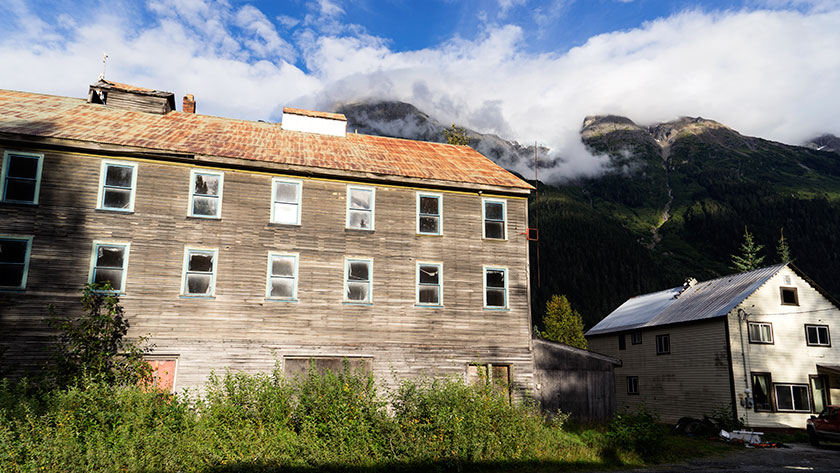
(703, 300)
(74, 119)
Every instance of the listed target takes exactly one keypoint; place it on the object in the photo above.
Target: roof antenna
(104, 63)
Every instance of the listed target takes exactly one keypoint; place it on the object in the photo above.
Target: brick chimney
(189, 103)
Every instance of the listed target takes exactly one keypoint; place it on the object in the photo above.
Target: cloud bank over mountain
(769, 70)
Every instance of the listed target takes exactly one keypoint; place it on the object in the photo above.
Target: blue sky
(526, 70)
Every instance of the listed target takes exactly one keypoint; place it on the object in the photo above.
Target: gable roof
(24, 113)
(703, 300)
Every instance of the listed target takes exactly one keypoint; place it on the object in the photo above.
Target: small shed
(575, 381)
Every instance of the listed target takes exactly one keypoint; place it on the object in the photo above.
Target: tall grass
(265, 422)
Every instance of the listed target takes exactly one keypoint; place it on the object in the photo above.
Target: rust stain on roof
(312, 113)
(74, 119)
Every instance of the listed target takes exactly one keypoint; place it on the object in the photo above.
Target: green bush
(638, 431)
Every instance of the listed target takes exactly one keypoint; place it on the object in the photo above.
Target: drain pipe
(747, 401)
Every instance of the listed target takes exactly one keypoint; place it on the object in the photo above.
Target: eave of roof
(38, 115)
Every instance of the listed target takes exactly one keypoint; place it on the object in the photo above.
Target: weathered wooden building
(240, 244)
(757, 343)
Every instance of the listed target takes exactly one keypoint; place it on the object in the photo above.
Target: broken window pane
(360, 199)
(494, 211)
(495, 278)
(357, 291)
(114, 276)
(429, 205)
(282, 266)
(202, 262)
(285, 192)
(118, 176)
(359, 271)
(206, 184)
(198, 283)
(357, 283)
(205, 205)
(110, 256)
(429, 224)
(429, 274)
(360, 219)
(282, 288)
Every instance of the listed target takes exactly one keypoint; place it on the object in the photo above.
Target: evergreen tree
(562, 323)
(456, 136)
(783, 249)
(748, 260)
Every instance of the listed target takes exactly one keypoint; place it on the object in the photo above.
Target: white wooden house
(759, 341)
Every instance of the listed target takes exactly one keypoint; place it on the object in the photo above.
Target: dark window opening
(817, 335)
(622, 344)
(762, 396)
(663, 344)
(632, 385)
(789, 296)
(636, 337)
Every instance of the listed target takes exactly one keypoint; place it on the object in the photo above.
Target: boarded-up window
(299, 366)
(163, 373)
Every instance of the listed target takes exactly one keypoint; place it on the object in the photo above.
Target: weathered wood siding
(789, 360)
(574, 381)
(239, 328)
(690, 381)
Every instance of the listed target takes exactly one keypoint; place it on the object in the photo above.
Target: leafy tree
(783, 249)
(93, 345)
(456, 136)
(748, 260)
(562, 323)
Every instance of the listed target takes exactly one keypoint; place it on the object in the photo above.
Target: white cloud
(768, 73)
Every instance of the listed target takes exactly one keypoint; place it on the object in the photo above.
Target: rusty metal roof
(703, 300)
(69, 118)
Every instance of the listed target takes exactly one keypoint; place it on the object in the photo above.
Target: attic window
(789, 296)
(663, 344)
(636, 337)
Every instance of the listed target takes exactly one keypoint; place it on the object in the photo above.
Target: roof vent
(689, 282)
(295, 119)
(129, 97)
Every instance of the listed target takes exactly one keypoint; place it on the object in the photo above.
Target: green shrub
(638, 431)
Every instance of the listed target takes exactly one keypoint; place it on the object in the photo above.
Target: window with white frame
(430, 284)
(117, 182)
(14, 261)
(199, 272)
(817, 335)
(792, 397)
(494, 215)
(358, 277)
(663, 344)
(206, 193)
(632, 385)
(761, 332)
(360, 207)
(109, 264)
(285, 201)
(21, 179)
(429, 213)
(282, 277)
(495, 288)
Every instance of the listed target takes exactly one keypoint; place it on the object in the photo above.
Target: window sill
(281, 225)
(273, 299)
(429, 234)
(494, 239)
(201, 217)
(752, 342)
(12, 203)
(358, 230)
(357, 303)
(819, 346)
(116, 211)
(12, 289)
(430, 306)
(498, 309)
(187, 296)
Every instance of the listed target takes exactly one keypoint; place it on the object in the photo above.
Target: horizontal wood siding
(692, 380)
(789, 359)
(239, 328)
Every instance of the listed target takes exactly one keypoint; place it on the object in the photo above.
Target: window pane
(205, 205)
(201, 262)
(766, 333)
(800, 398)
(110, 256)
(198, 283)
(813, 338)
(11, 275)
(206, 184)
(755, 332)
(429, 294)
(820, 388)
(12, 251)
(282, 266)
(494, 230)
(114, 276)
(359, 271)
(495, 297)
(119, 176)
(285, 213)
(495, 278)
(494, 211)
(784, 398)
(281, 287)
(429, 274)
(357, 291)
(429, 224)
(761, 392)
(20, 190)
(360, 219)
(429, 205)
(360, 199)
(822, 334)
(117, 198)
(500, 375)
(285, 192)
(23, 166)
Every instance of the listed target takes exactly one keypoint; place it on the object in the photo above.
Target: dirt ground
(799, 457)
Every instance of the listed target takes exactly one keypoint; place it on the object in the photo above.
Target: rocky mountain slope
(673, 202)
